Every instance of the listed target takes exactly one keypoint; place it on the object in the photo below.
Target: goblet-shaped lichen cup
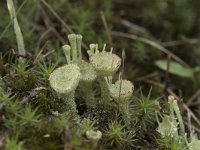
(105, 64)
(64, 80)
(95, 136)
(121, 92)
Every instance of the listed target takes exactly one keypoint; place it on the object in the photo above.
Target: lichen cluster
(102, 65)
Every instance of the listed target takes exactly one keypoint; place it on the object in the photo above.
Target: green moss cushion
(65, 79)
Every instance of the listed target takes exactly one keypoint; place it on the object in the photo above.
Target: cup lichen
(88, 74)
(94, 135)
(105, 64)
(64, 80)
(121, 92)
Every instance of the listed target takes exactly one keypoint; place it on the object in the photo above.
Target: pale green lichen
(105, 63)
(94, 135)
(88, 74)
(173, 104)
(67, 52)
(73, 44)
(78, 44)
(194, 144)
(73, 55)
(65, 80)
(171, 123)
(105, 93)
(122, 90)
(168, 127)
(93, 49)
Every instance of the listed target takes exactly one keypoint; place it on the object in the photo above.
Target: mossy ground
(30, 111)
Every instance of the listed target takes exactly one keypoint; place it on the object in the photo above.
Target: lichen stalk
(173, 102)
(124, 109)
(78, 43)
(105, 93)
(66, 50)
(88, 92)
(69, 100)
(179, 117)
(72, 40)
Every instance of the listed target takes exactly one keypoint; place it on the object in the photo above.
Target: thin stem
(78, 43)
(66, 50)
(89, 95)
(105, 94)
(179, 117)
(69, 100)
(124, 109)
(72, 40)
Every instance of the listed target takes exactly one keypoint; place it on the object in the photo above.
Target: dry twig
(106, 28)
(151, 43)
